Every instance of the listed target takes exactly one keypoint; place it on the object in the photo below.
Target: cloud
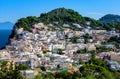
(96, 13)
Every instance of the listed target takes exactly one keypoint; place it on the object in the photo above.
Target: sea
(4, 36)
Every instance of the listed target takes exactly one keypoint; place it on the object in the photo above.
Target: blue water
(4, 35)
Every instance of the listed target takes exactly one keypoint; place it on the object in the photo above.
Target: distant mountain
(110, 18)
(6, 25)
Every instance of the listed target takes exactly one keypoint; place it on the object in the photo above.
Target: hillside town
(44, 45)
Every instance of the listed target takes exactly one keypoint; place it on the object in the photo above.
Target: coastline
(5, 36)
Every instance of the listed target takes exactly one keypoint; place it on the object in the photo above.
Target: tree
(26, 23)
(63, 75)
(42, 68)
(93, 23)
(102, 49)
(58, 51)
(98, 71)
(22, 67)
(45, 51)
(97, 62)
(8, 71)
(87, 37)
(74, 39)
(81, 61)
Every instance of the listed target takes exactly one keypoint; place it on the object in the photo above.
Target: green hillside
(110, 18)
(111, 21)
(60, 15)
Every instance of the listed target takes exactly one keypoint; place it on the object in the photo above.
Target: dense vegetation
(114, 39)
(26, 23)
(9, 71)
(110, 18)
(111, 21)
(96, 69)
(60, 15)
(93, 23)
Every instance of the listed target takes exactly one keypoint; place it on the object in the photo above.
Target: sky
(12, 10)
